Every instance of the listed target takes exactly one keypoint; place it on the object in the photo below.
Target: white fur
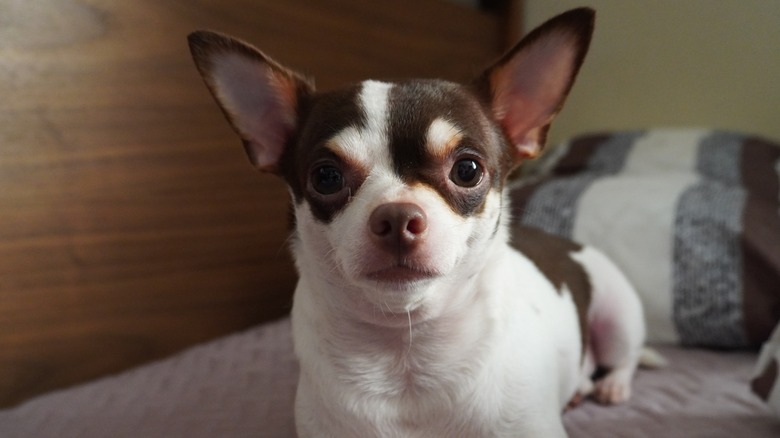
(476, 362)
(487, 348)
(500, 358)
(615, 324)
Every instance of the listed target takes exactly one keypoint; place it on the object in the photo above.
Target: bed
(715, 384)
(243, 385)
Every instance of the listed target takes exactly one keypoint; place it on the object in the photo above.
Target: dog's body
(413, 315)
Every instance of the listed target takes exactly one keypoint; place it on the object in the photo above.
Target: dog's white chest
(505, 367)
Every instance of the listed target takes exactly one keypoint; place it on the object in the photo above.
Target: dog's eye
(327, 180)
(466, 173)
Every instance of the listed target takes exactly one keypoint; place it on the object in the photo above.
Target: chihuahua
(421, 310)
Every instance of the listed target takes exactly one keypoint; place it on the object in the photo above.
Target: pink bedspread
(244, 385)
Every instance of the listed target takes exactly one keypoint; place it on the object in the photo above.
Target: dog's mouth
(402, 274)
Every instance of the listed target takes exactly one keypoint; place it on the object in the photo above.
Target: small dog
(414, 315)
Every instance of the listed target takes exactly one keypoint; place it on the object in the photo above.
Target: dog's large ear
(259, 97)
(526, 88)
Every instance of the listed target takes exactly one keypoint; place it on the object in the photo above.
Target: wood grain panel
(131, 224)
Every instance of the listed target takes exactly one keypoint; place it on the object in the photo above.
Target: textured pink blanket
(244, 385)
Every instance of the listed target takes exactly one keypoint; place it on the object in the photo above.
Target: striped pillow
(691, 216)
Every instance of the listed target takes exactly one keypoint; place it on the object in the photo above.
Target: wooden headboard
(131, 223)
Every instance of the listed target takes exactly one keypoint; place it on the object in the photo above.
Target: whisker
(409, 316)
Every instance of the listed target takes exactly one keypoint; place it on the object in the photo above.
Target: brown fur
(552, 255)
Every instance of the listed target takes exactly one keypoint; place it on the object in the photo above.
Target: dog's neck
(383, 353)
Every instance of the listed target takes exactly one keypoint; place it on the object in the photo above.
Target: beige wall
(704, 63)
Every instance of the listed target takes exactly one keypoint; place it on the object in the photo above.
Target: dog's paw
(614, 388)
(584, 390)
(575, 401)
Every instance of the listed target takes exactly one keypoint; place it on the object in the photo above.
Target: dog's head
(397, 187)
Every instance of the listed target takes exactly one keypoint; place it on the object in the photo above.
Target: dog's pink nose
(398, 226)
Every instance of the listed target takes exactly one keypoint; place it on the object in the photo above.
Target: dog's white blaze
(442, 136)
(368, 144)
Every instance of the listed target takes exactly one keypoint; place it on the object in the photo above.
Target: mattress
(243, 385)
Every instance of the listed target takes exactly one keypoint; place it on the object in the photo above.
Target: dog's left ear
(526, 88)
(259, 97)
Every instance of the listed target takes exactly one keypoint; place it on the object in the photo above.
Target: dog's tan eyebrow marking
(442, 137)
(346, 144)
(348, 155)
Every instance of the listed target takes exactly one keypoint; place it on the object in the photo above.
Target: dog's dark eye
(327, 180)
(466, 173)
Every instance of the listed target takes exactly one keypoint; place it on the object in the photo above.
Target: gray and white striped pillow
(691, 216)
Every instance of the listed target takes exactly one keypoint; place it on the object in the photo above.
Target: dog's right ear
(259, 97)
(526, 88)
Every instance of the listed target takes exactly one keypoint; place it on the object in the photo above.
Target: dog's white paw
(615, 387)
